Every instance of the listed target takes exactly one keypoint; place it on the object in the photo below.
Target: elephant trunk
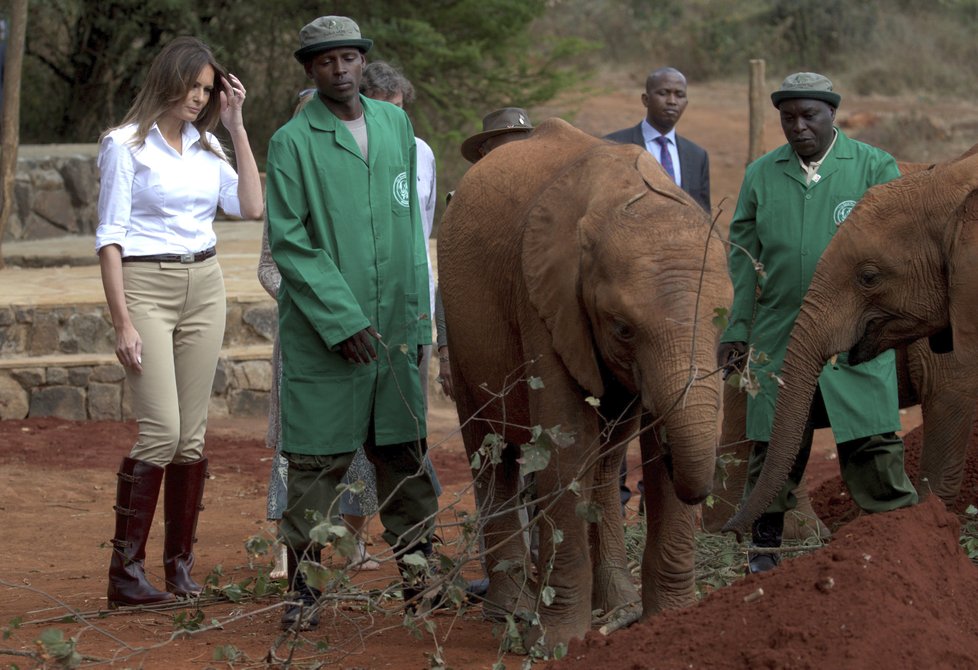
(690, 422)
(811, 340)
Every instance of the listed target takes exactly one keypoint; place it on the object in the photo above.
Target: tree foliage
(86, 58)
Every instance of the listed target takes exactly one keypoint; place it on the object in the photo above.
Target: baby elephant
(579, 284)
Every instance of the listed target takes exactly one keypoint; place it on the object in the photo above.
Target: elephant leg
(668, 561)
(564, 560)
(564, 566)
(802, 522)
(948, 416)
(506, 557)
(612, 586)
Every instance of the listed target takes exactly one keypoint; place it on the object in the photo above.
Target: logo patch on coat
(842, 211)
(401, 193)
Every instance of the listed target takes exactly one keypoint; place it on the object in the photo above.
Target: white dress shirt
(649, 134)
(154, 200)
(427, 198)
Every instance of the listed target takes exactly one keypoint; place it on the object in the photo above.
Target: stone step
(92, 386)
(86, 329)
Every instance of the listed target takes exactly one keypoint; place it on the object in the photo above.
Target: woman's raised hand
(232, 101)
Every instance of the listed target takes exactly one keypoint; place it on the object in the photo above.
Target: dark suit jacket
(694, 163)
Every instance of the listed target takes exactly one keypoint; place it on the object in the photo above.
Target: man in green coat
(344, 229)
(791, 202)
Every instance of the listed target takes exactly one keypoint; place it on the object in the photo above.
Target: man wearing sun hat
(344, 229)
(498, 127)
(791, 202)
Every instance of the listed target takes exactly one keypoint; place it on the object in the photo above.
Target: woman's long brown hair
(171, 76)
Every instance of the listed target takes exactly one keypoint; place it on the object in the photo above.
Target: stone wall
(97, 390)
(60, 361)
(55, 192)
(28, 330)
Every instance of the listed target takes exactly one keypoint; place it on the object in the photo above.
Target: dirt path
(57, 486)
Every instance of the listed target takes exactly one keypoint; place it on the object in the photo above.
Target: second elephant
(904, 266)
(946, 392)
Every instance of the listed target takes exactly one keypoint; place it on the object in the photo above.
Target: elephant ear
(963, 278)
(657, 179)
(552, 249)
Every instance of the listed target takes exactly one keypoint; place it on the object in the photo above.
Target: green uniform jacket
(786, 225)
(346, 236)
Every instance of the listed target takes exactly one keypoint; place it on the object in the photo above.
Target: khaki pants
(179, 311)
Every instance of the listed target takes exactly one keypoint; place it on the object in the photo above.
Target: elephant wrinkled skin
(580, 263)
(903, 266)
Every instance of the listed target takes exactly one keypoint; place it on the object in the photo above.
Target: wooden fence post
(757, 101)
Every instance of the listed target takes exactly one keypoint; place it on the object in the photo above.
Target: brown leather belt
(173, 258)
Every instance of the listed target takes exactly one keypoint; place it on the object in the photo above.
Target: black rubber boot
(303, 607)
(766, 532)
(415, 579)
(476, 589)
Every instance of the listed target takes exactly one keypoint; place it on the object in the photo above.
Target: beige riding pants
(179, 312)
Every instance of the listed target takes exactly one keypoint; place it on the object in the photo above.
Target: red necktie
(666, 159)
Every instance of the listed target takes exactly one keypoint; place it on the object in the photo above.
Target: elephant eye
(869, 277)
(623, 331)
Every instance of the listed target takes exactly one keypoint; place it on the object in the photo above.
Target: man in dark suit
(686, 162)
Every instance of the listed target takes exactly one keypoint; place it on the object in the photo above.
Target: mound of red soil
(891, 591)
(834, 507)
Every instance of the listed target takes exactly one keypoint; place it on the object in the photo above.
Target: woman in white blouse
(163, 175)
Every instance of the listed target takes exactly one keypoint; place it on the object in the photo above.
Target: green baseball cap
(808, 85)
(330, 32)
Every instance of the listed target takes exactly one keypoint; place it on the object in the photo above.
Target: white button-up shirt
(427, 198)
(649, 134)
(154, 200)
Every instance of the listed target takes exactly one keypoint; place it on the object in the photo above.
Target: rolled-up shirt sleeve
(228, 199)
(115, 193)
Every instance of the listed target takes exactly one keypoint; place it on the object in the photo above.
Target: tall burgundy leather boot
(182, 496)
(137, 491)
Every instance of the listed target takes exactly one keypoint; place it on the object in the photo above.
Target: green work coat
(786, 225)
(347, 238)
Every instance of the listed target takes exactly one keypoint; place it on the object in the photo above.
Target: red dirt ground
(57, 487)
(890, 591)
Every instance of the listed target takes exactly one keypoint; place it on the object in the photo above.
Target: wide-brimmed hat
(808, 85)
(330, 32)
(498, 122)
